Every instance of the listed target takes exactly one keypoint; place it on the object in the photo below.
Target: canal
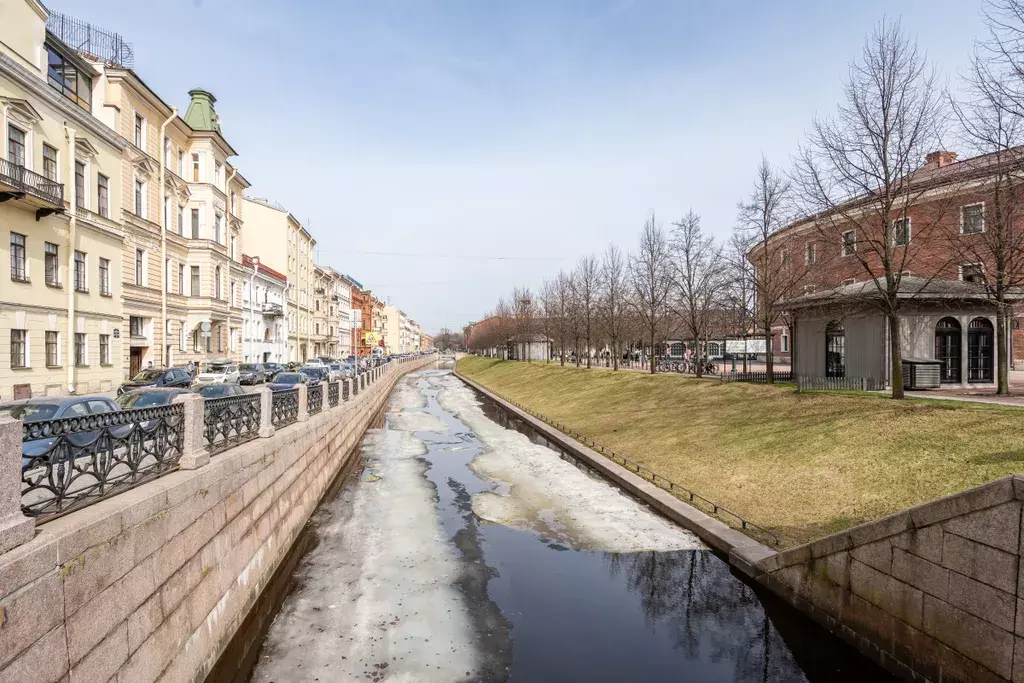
(464, 551)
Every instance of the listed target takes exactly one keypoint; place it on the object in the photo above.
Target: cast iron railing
(230, 420)
(758, 377)
(332, 394)
(284, 407)
(92, 40)
(344, 391)
(69, 463)
(20, 178)
(840, 384)
(314, 398)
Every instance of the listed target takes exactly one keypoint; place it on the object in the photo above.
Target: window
(104, 277)
(784, 342)
(181, 169)
(80, 356)
(901, 232)
(167, 275)
(972, 272)
(136, 328)
(103, 195)
(104, 349)
(80, 282)
(181, 283)
(140, 132)
(216, 228)
(65, 78)
(195, 168)
(317, 329)
(810, 253)
(849, 242)
(167, 213)
(80, 184)
(49, 162)
(232, 205)
(217, 172)
(195, 224)
(140, 259)
(835, 349)
(140, 198)
(216, 283)
(18, 351)
(52, 263)
(167, 152)
(786, 259)
(19, 265)
(195, 281)
(182, 337)
(233, 240)
(972, 219)
(181, 220)
(15, 146)
(52, 350)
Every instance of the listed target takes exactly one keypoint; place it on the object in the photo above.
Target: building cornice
(38, 87)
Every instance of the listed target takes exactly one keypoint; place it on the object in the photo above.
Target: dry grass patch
(802, 465)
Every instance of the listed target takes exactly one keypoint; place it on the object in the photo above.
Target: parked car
(218, 372)
(251, 373)
(336, 372)
(149, 397)
(316, 373)
(219, 390)
(43, 408)
(157, 377)
(288, 380)
(271, 370)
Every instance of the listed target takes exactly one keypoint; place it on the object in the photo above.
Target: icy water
(464, 551)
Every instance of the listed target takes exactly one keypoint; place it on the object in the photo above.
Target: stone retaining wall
(153, 583)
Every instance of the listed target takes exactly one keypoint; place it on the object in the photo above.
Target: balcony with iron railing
(18, 182)
(272, 309)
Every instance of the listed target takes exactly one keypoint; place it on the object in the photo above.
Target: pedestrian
(191, 367)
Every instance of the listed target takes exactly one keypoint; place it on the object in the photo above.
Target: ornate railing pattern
(314, 398)
(230, 420)
(28, 181)
(70, 463)
(840, 384)
(332, 394)
(778, 376)
(344, 391)
(284, 407)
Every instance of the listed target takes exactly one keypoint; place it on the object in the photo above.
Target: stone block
(980, 562)
(834, 567)
(86, 576)
(983, 601)
(193, 453)
(920, 573)
(972, 637)
(150, 535)
(895, 597)
(30, 613)
(168, 559)
(925, 543)
(266, 412)
(87, 626)
(978, 498)
(877, 554)
(105, 659)
(1018, 660)
(146, 663)
(26, 563)
(46, 661)
(997, 526)
(142, 503)
(869, 621)
(882, 528)
(143, 621)
(86, 528)
(180, 584)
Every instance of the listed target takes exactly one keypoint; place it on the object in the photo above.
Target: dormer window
(69, 79)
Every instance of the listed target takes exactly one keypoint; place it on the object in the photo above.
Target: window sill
(54, 367)
(81, 366)
(106, 365)
(105, 294)
(55, 285)
(21, 368)
(81, 291)
(24, 280)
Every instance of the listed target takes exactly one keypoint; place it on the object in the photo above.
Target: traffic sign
(205, 326)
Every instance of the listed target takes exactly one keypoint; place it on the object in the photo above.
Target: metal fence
(333, 392)
(758, 377)
(28, 181)
(314, 398)
(284, 407)
(650, 475)
(344, 391)
(840, 384)
(69, 463)
(230, 420)
(93, 40)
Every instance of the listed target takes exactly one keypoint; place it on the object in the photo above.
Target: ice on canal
(462, 551)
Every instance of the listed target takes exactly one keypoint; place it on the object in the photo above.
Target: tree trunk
(588, 350)
(651, 358)
(895, 355)
(1002, 352)
(615, 355)
(769, 355)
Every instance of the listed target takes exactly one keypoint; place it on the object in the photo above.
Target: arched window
(947, 349)
(980, 351)
(835, 349)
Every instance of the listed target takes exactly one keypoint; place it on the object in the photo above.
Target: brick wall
(154, 582)
(931, 592)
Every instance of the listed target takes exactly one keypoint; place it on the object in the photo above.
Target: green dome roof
(200, 114)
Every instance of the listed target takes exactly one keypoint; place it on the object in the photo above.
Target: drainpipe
(69, 134)
(252, 298)
(163, 233)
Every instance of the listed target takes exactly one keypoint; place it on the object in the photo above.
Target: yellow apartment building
(282, 243)
(60, 206)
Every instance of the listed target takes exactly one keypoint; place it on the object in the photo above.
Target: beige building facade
(60, 203)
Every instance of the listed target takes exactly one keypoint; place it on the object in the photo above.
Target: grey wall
(865, 344)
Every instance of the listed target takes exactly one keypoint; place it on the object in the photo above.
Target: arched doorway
(980, 351)
(835, 349)
(947, 350)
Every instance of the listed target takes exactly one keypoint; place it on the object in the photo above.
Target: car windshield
(248, 367)
(312, 372)
(214, 390)
(215, 369)
(30, 412)
(147, 375)
(288, 378)
(335, 366)
(143, 399)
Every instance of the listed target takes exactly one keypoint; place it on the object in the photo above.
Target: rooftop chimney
(940, 159)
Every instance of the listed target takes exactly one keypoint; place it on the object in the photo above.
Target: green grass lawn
(801, 465)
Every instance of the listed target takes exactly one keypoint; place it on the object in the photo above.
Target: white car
(218, 373)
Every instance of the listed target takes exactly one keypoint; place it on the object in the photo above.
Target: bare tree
(612, 302)
(855, 174)
(740, 286)
(776, 273)
(587, 279)
(524, 309)
(696, 273)
(999, 60)
(547, 311)
(503, 327)
(563, 306)
(651, 283)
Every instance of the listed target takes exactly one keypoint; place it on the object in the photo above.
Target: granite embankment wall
(934, 593)
(152, 584)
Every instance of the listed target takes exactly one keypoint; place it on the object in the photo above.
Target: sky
(506, 139)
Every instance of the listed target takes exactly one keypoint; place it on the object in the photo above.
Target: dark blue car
(44, 408)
